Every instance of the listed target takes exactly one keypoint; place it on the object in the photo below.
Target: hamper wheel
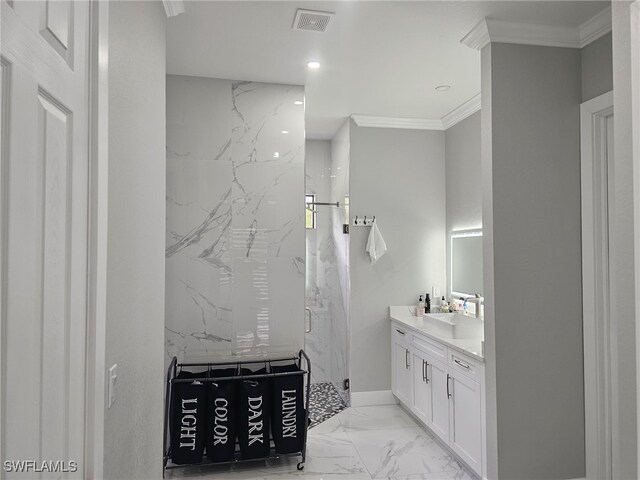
(300, 465)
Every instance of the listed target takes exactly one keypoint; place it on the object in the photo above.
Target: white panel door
(466, 429)
(421, 404)
(438, 419)
(44, 210)
(597, 199)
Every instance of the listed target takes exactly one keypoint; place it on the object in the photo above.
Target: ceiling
(380, 58)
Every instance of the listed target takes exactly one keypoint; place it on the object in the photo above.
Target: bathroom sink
(455, 325)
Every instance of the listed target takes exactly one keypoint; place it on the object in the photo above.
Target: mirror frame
(475, 232)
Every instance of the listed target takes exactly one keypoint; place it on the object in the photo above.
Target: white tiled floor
(360, 443)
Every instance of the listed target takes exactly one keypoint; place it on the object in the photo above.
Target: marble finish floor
(324, 402)
(359, 443)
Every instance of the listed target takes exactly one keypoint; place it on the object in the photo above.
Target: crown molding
(500, 31)
(456, 115)
(173, 7)
(397, 122)
(490, 30)
(478, 36)
(595, 27)
(461, 112)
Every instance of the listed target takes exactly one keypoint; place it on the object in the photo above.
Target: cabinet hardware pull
(406, 358)
(424, 377)
(462, 364)
(426, 372)
(400, 331)
(448, 392)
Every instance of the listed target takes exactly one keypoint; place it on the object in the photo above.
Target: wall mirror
(465, 277)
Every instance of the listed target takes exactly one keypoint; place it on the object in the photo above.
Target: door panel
(466, 430)
(402, 366)
(58, 31)
(421, 389)
(43, 232)
(5, 68)
(53, 138)
(59, 20)
(438, 419)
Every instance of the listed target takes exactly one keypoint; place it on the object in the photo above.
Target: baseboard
(366, 399)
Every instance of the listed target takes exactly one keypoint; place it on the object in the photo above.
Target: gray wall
(597, 68)
(398, 176)
(463, 179)
(136, 223)
(623, 252)
(235, 239)
(533, 314)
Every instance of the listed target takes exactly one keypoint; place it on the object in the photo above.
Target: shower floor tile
(324, 403)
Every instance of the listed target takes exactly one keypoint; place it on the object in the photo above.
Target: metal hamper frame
(172, 373)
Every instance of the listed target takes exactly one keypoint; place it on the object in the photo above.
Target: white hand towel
(375, 245)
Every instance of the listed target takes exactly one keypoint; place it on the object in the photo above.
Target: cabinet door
(466, 429)
(402, 372)
(438, 419)
(421, 404)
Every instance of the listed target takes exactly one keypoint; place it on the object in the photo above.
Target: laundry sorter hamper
(227, 412)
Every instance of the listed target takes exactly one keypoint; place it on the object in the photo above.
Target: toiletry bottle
(465, 306)
(427, 303)
(420, 307)
(444, 307)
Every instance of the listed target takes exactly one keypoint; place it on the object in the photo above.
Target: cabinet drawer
(460, 363)
(434, 349)
(400, 333)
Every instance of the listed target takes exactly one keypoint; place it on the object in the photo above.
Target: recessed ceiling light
(442, 88)
(298, 102)
(285, 131)
(313, 64)
(276, 154)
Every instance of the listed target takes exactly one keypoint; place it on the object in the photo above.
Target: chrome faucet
(477, 300)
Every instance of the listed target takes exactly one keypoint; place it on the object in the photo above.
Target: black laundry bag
(253, 424)
(287, 410)
(222, 412)
(188, 420)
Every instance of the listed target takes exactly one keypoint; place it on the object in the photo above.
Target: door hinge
(346, 383)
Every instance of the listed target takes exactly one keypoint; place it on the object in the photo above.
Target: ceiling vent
(311, 20)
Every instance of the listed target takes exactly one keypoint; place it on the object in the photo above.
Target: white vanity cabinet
(439, 417)
(421, 401)
(466, 410)
(430, 402)
(401, 365)
(443, 388)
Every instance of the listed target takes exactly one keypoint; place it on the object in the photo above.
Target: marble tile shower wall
(235, 246)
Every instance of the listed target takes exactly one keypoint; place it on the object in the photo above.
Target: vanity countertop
(404, 315)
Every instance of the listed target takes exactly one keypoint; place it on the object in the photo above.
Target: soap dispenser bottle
(427, 303)
(420, 307)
